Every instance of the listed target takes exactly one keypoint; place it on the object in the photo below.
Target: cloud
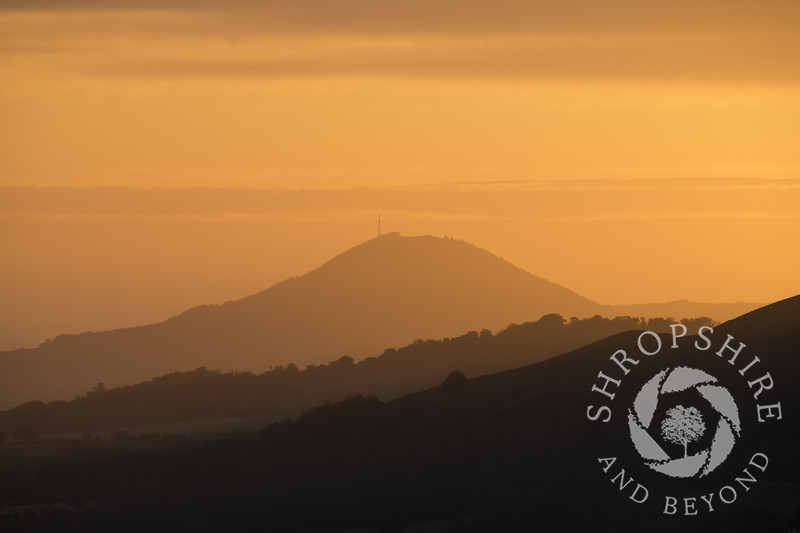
(685, 60)
(143, 47)
(572, 39)
(461, 16)
(579, 199)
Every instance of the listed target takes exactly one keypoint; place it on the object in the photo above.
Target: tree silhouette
(682, 426)
(456, 384)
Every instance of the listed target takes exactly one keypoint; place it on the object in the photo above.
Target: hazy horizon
(92, 259)
(163, 155)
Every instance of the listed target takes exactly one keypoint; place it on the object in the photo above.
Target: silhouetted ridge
(766, 322)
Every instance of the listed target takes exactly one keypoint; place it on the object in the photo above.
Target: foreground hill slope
(512, 451)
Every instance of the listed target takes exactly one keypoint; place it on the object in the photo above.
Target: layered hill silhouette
(511, 451)
(287, 391)
(385, 292)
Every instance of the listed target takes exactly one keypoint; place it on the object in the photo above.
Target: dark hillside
(511, 451)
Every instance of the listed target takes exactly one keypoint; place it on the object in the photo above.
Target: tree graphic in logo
(682, 426)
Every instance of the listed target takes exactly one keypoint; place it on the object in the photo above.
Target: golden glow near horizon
(559, 135)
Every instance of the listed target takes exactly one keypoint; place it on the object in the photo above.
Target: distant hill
(385, 292)
(511, 452)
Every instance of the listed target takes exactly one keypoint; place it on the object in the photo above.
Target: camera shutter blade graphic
(640, 420)
(644, 443)
(683, 378)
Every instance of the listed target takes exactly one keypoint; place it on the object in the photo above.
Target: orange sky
(631, 151)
